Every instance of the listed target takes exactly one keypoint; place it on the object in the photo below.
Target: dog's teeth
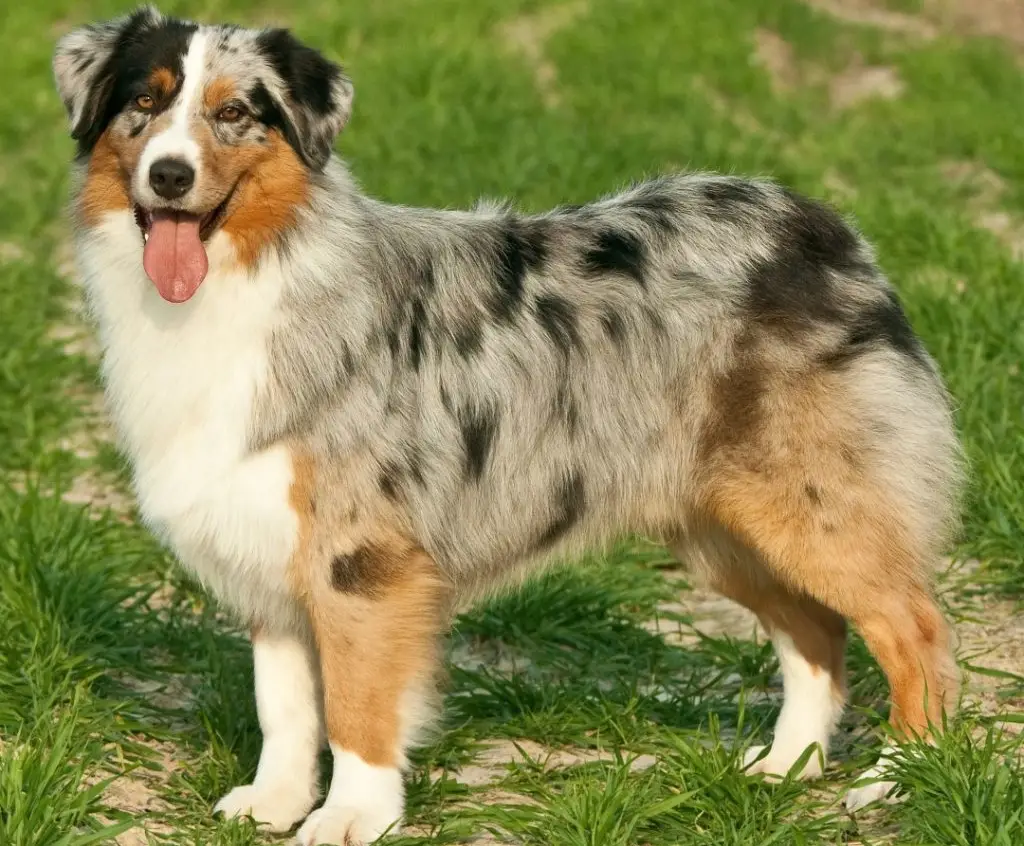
(145, 236)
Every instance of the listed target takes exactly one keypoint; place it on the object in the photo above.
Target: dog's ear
(312, 94)
(84, 73)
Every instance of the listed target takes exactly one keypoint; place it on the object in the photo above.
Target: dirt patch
(527, 36)
(994, 18)
(773, 53)
(704, 614)
(990, 645)
(173, 693)
(859, 82)
(490, 764)
(481, 839)
(986, 185)
(850, 87)
(984, 190)
(838, 188)
(875, 14)
(11, 252)
(1006, 228)
(95, 492)
(137, 794)
(1002, 19)
(490, 654)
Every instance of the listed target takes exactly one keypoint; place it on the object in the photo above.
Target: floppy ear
(85, 78)
(314, 98)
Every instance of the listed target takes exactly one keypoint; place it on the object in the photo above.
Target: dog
(347, 417)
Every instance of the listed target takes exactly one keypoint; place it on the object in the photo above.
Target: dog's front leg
(377, 611)
(288, 703)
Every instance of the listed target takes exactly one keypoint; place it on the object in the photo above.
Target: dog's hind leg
(844, 486)
(377, 609)
(809, 641)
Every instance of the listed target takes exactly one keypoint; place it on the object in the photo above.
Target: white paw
(878, 791)
(344, 826)
(778, 762)
(276, 808)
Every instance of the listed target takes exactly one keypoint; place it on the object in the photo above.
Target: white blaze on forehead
(175, 141)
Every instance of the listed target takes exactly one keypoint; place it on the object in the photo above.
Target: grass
(112, 666)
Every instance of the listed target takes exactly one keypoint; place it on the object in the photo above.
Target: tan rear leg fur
(823, 501)
(864, 570)
(809, 641)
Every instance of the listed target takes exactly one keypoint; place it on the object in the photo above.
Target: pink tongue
(174, 257)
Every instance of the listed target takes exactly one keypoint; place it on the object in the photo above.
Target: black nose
(171, 178)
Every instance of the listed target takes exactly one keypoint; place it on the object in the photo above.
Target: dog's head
(197, 128)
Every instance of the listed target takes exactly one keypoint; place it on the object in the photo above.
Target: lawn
(604, 705)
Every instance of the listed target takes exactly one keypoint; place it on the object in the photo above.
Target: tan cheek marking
(266, 199)
(105, 187)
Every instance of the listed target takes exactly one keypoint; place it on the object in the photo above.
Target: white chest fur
(180, 383)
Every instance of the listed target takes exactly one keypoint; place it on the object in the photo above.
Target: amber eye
(229, 114)
(144, 102)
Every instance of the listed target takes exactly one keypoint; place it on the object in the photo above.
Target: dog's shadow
(582, 654)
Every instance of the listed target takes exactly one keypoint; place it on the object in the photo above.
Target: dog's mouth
(174, 248)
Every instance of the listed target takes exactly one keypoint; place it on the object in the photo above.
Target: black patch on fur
(617, 251)
(348, 363)
(882, 323)
(394, 342)
(417, 333)
(656, 320)
(389, 481)
(566, 408)
(469, 340)
(426, 274)
(614, 326)
(307, 74)
(730, 199)
(478, 426)
(792, 289)
(416, 468)
(655, 205)
(558, 318)
(569, 505)
(140, 48)
(522, 247)
(446, 400)
(310, 82)
(365, 572)
(265, 110)
(812, 493)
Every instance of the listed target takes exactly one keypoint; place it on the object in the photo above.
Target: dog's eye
(229, 114)
(144, 102)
